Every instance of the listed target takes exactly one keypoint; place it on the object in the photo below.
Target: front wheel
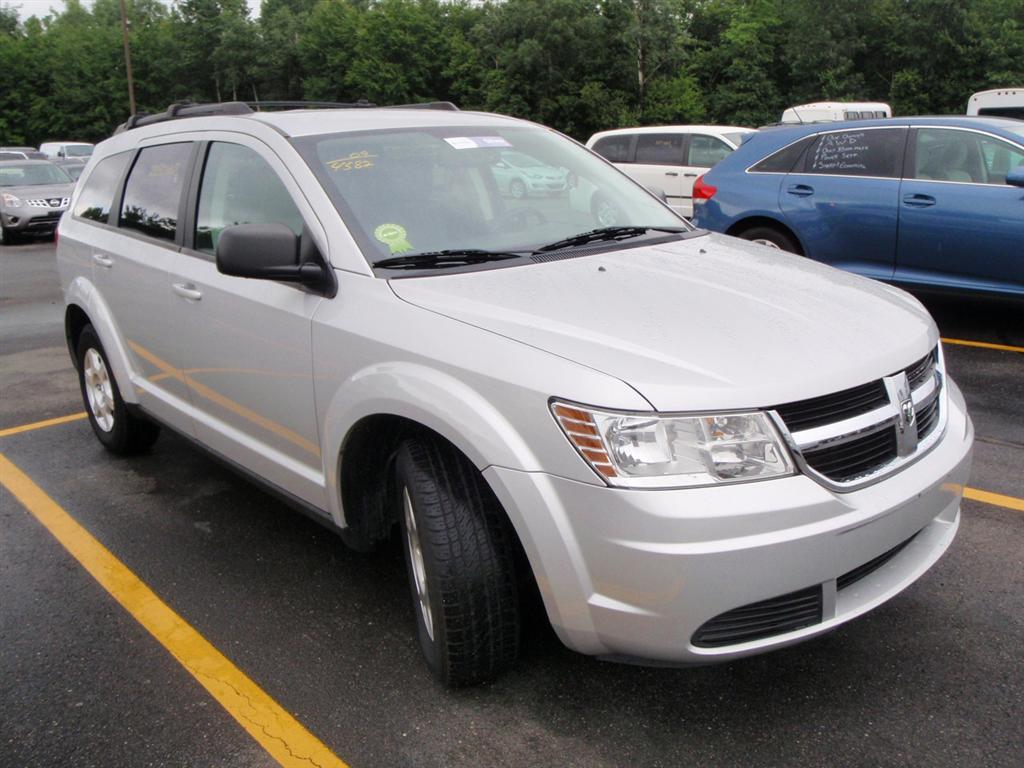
(771, 237)
(517, 189)
(460, 558)
(7, 236)
(119, 430)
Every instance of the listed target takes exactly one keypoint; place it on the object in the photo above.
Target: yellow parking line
(996, 499)
(983, 345)
(40, 424)
(281, 735)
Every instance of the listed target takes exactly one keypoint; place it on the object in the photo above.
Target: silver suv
(693, 447)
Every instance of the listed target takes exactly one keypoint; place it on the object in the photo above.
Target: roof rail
(183, 109)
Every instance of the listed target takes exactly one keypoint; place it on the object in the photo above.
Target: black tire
(8, 236)
(772, 237)
(517, 189)
(125, 433)
(467, 553)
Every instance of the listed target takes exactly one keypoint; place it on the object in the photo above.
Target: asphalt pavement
(933, 678)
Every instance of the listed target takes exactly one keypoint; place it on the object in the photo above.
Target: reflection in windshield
(31, 175)
(485, 188)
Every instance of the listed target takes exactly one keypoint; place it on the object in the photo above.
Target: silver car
(692, 447)
(33, 196)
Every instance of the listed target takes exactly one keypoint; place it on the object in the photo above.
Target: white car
(668, 158)
(62, 150)
(695, 449)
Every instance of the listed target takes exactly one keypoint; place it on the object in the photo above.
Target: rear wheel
(120, 431)
(459, 554)
(771, 237)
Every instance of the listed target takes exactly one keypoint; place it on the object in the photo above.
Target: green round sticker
(393, 236)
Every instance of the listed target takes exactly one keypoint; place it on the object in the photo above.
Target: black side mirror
(267, 252)
(1016, 176)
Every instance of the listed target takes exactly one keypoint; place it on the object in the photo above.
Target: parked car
(22, 153)
(934, 201)
(691, 451)
(835, 112)
(72, 168)
(59, 150)
(668, 157)
(998, 102)
(520, 176)
(33, 195)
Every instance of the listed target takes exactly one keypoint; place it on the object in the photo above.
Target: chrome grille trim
(929, 374)
(62, 202)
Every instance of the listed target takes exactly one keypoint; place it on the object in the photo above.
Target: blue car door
(842, 198)
(961, 224)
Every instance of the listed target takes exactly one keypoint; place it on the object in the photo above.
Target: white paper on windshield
(476, 142)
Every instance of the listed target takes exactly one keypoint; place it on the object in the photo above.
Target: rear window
(153, 192)
(877, 152)
(614, 149)
(97, 196)
(784, 160)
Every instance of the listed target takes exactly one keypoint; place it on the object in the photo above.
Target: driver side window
(239, 187)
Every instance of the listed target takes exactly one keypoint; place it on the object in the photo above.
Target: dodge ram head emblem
(898, 389)
(907, 415)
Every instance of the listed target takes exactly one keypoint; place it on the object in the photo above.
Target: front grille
(927, 418)
(855, 458)
(918, 373)
(756, 621)
(50, 202)
(826, 409)
(845, 453)
(870, 566)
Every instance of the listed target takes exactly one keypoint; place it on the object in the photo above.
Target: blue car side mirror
(1016, 176)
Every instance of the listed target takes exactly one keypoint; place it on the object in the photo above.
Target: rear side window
(706, 151)
(785, 159)
(97, 196)
(876, 152)
(240, 188)
(153, 191)
(660, 148)
(949, 155)
(614, 149)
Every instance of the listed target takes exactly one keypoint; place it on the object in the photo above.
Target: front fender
(82, 293)
(429, 397)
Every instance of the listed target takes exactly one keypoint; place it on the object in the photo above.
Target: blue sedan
(936, 201)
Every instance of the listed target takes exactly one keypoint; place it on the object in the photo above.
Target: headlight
(11, 201)
(535, 176)
(654, 451)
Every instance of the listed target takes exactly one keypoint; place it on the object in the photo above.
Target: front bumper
(633, 574)
(26, 219)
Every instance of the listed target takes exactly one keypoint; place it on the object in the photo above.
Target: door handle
(671, 173)
(103, 261)
(187, 291)
(918, 201)
(800, 190)
(690, 175)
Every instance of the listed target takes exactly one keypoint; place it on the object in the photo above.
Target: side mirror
(1016, 176)
(266, 252)
(659, 193)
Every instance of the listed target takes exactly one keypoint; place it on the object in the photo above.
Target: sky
(40, 8)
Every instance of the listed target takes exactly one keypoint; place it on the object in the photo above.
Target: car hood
(40, 191)
(543, 170)
(704, 323)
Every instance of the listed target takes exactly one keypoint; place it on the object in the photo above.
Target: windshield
(31, 175)
(422, 190)
(78, 150)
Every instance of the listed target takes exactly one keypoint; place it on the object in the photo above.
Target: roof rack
(188, 109)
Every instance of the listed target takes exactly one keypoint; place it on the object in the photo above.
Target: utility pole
(127, 59)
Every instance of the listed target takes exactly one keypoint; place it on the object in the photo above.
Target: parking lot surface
(933, 678)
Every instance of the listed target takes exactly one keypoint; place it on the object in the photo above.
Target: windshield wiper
(445, 258)
(605, 233)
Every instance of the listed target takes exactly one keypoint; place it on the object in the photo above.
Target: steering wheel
(519, 218)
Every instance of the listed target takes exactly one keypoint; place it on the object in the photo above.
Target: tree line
(577, 65)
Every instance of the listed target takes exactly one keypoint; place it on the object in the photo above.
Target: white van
(999, 102)
(59, 150)
(668, 158)
(836, 111)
